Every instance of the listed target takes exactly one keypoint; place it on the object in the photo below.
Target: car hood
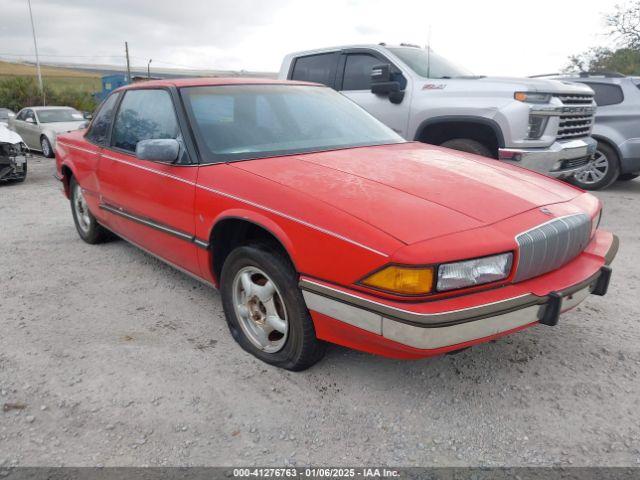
(537, 85)
(64, 127)
(413, 191)
(8, 136)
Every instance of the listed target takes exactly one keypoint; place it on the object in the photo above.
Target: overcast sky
(491, 37)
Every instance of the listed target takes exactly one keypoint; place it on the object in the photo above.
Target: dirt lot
(118, 359)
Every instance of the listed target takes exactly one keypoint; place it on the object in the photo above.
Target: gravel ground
(116, 359)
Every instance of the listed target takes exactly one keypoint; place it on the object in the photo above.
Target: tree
(600, 59)
(624, 23)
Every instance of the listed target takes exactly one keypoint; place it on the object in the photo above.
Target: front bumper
(560, 160)
(351, 319)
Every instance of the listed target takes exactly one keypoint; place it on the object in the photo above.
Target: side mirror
(383, 84)
(30, 120)
(87, 115)
(163, 150)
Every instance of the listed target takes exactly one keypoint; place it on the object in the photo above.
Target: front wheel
(468, 145)
(88, 228)
(45, 146)
(265, 310)
(601, 171)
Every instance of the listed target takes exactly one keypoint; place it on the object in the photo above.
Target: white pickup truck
(543, 125)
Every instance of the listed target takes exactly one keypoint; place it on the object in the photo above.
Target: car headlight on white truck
(532, 97)
(473, 272)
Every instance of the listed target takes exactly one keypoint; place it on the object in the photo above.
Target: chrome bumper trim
(548, 160)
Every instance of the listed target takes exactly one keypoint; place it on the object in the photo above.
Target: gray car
(39, 126)
(617, 129)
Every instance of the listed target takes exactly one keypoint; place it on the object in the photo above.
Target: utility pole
(149, 69)
(126, 50)
(35, 44)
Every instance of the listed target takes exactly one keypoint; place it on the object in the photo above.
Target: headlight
(401, 280)
(474, 272)
(595, 222)
(532, 97)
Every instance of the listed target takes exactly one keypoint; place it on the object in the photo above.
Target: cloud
(489, 37)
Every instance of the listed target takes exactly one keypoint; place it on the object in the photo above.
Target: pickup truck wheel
(88, 228)
(265, 310)
(625, 177)
(601, 171)
(469, 146)
(45, 146)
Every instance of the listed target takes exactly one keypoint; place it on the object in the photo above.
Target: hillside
(57, 78)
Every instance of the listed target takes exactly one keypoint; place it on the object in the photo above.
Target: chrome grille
(551, 245)
(576, 123)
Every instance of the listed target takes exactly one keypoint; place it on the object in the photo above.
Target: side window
(29, 114)
(319, 68)
(22, 115)
(357, 71)
(143, 115)
(102, 121)
(607, 94)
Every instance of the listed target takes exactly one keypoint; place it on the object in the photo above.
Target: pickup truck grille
(551, 245)
(578, 119)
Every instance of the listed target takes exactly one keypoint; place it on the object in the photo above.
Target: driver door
(354, 82)
(151, 204)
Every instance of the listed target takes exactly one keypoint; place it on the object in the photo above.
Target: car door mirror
(163, 150)
(30, 120)
(382, 83)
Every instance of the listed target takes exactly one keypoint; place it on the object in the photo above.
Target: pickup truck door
(353, 80)
(151, 204)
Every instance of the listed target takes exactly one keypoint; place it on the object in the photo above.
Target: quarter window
(319, 68)
(144, 115)
(357, 71)
(100, 126)
(606, 94)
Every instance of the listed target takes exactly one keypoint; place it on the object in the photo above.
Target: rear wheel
(88, 228)
(265, 309)
(468, 145)
(601, 171)
(45, 146)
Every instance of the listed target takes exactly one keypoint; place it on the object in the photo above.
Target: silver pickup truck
(543, 125)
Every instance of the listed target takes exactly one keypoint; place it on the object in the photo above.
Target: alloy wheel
(595, 170)
(46, 148)
(260, 309)
(81, 209)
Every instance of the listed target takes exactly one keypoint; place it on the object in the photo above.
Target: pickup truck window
(320, 68)
(429, 65)
(143, 115)
(606, 93)
(255, 121)
(100, 126)
(357, 71)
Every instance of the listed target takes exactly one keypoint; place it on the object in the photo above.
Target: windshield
(429, 64)
(5, 113)
(59, 115)
(253, 121)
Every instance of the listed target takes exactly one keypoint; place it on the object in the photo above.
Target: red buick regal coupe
(319, 224)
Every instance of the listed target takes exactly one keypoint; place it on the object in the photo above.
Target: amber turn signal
(402, 280)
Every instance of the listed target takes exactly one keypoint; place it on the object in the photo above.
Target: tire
(88, 228)
(469, 146)
(625, 177)
(600, 172)
(45, 146)
(288, 340)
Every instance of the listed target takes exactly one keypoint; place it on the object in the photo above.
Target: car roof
(212, 82)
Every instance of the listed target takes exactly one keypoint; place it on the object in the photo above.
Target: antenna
(429, 53)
